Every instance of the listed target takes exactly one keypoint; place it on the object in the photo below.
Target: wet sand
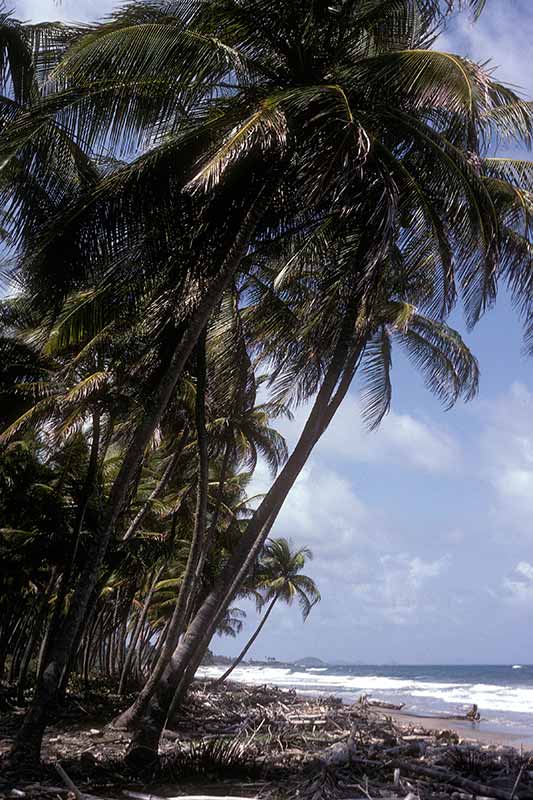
(466, 730)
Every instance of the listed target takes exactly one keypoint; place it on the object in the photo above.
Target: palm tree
(422, 144)
(280, 578)
(239, 425)
(272, 124)
(34, 534)
(321, 75)
(450, 371)
(242, 429)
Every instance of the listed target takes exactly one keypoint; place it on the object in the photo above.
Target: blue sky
(422, 532)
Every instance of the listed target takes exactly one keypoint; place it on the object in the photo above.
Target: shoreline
(465, 730)
(279, 741)
(486, 731)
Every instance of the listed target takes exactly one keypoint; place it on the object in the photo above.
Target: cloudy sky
(422, 532)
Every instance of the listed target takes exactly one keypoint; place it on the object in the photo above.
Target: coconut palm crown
(280, 576)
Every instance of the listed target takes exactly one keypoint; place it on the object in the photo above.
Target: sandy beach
(260, 740)
(432, 697)
(465, 730)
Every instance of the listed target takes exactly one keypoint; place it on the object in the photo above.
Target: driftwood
(365, 702)
(304, 748)
(144, 796)
(383, 704)
(339, 753)
(472, 787)
(71, 786)
(518, 779)
(327, 737)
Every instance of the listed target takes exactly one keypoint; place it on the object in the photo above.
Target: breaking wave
(421, 695)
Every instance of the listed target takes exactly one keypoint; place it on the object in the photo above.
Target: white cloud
(405, 440)
(526, 570)
(515, 483)
(353, 546)
(398, 591)
(323, 512)
(65, 11)
(382, 564)
(496, 38)
(402, 440)
(506, 457)
(518, 589)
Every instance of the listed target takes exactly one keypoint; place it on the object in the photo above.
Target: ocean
(504, 694)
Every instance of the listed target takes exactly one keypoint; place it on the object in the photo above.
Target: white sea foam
(288, 677)
(517, 699)
(489, 697)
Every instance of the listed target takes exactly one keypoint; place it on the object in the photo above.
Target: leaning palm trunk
(144, 745)
(228, 450)
(158, 488)
(199, 655)
(188, 673)
(136, 633)
(89, 650)
(248, 644)
(34, 638)
(66, 578)
(135, 712)
(27, 744)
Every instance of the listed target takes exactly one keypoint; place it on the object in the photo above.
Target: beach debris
(365, 701)
(71, 786)
(69, 783)
(339, 753)
(473, 714)
(326, 749)
(241, 742)
(145, 796)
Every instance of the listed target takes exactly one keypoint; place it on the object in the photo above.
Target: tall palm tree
(340, 101)
(450, 371)
(280, 578)
(243, 430)
(34, 535)
(270, 122)
(440, 113)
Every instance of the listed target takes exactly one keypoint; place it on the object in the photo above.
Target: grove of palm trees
(215, 212)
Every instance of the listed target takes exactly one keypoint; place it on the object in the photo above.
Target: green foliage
(279, 576)
(33, 512)
(317, 177)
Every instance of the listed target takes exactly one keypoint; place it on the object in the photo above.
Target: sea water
(504, 694)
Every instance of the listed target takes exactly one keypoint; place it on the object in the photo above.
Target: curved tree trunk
(248, 644)
(144, 745)
(151, 659)
(130, 653)
(9, 624)
(228, 450)
(89, 652)
(89, 485)
(134, 713)
(198, 656)
(19, 645)
(34, 638)
(27, 745)
(159, 487)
